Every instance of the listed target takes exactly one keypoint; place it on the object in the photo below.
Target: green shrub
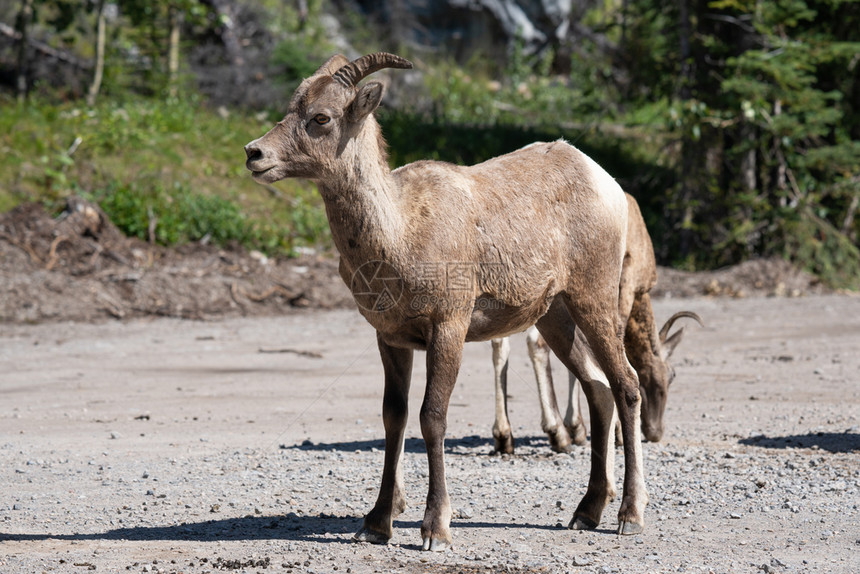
(177, 160)
(176, 214)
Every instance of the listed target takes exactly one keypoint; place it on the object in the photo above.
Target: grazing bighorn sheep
(437, 255)
(647, 350)
(572, 429)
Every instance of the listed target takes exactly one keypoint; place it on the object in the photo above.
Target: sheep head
(656, 375)
(326, 112)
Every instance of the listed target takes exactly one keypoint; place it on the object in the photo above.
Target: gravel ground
(254, 445)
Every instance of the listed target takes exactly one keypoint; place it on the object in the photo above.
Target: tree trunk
(688, 151)
(848, 223)
(100, 55)
(23, 25)
(748, 161)
(45, 49)
(225, 12)
(302, 8)
(686, 53)
(173, 51)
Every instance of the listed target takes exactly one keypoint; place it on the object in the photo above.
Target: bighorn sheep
(647, 350)
(437, 255)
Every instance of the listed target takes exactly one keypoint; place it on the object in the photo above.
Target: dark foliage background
(735, 123)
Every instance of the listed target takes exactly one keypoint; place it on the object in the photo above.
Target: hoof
(582, 523)
(562, 448)
(368, 535)
(628, 528)
(577, 434)
(559, 437)
(504, 444)
(436, 545)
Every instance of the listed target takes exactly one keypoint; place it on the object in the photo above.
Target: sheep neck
(363, 202)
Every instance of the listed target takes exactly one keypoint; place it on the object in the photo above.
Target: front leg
(397, 364)
(444, 353)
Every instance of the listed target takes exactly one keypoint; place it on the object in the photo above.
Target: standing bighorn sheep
(647, 350)
(437, 255)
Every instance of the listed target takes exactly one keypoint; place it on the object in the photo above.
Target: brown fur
(646, 349)
(539, 232)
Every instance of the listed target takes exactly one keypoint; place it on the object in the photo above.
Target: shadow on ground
(416, 445)
(831, 442)
(315, 528)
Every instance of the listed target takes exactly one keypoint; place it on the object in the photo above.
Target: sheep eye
(322, 119)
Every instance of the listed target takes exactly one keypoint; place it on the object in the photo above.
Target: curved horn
(664, 331)
(355, 71)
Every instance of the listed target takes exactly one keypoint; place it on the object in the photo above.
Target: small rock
(581, 560)
(115, 435)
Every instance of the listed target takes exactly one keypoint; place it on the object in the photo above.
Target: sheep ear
(366, 101)
(671, 342)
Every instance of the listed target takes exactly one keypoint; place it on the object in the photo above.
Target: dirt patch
(80, 267)
(756, 278)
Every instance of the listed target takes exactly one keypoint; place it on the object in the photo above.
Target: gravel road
(254, 445)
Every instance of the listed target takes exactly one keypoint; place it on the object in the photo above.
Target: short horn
(352, 73)
(679, 315)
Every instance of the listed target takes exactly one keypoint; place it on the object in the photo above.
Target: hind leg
(604, 332)
(599, 322)
(502, 435)
(573, 421)
(558, 330)
(551, 421)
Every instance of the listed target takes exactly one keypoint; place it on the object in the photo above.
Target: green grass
(182, 165)
(176, 161)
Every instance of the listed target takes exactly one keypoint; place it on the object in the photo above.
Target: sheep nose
(252, 151)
